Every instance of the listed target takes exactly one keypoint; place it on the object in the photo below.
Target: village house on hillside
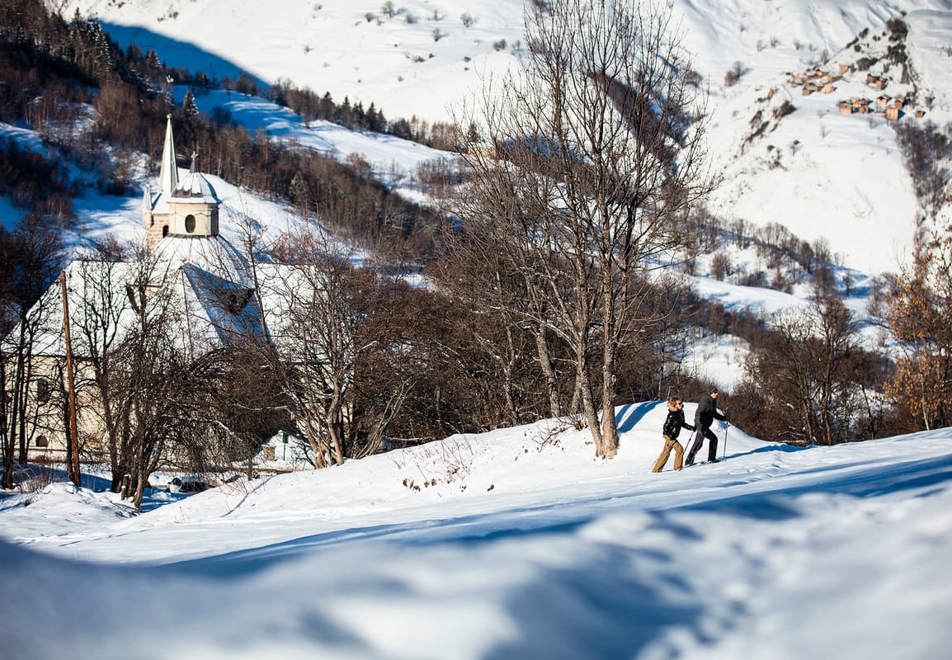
(190, 277)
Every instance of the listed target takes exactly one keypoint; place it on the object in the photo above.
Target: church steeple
(168, 175)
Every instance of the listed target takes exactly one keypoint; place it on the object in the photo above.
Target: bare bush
(734, 74)
(721, 266)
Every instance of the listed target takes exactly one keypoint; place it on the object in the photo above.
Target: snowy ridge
(563, 557)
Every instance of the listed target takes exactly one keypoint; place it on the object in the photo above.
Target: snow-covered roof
(212, 254)
(204, 281)
(195, 188)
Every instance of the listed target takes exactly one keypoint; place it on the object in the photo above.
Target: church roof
(195, 188)
(212, 254)
(168, 174)
(205, 281)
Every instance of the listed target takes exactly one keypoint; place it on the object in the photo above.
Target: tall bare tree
(29, 258)
(580, 166)
(329, 341)
(809, 373)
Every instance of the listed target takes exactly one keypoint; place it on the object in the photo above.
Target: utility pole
(73, 446)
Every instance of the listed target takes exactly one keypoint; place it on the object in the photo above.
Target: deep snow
(777, 552)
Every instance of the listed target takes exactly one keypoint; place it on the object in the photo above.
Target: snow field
(778, 552)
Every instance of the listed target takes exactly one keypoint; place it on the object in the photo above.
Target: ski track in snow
(564, 557)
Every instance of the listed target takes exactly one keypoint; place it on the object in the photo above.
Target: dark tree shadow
(179, 54)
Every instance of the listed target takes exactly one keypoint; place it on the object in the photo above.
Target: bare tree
(580, 167)
(133, 357)
(808, 373)
(30, 256)
(101, 300)
(328, 340)
(918, 314)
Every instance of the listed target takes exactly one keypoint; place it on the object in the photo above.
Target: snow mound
(57, 510)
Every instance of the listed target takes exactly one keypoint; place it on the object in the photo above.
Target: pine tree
(299, 194)
(326, 106)
(345, 113)
(189, 107)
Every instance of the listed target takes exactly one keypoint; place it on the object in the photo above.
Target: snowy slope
(839, 178)
(563, 557)
(393, 160)
(100, 216)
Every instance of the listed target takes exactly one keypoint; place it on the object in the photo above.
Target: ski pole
(726, 431)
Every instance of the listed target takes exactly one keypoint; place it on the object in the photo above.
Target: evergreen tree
(326, 107)
(345, 113)
(189, 107)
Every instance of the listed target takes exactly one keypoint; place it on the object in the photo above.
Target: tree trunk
(16, 413)
(141, 477)
(588, 404)
(545, 362)
(4, 431)
(609, 444)
(335, 430)
(507, 378)
(73, 454)
(25, 393)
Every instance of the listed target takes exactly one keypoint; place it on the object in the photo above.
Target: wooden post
(73, 458)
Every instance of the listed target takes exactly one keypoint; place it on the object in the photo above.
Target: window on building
(189, 223)
(165, 231)
(234, 300)
(42, 441)
(43, 390)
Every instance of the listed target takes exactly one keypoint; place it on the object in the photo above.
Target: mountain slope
(822, 174)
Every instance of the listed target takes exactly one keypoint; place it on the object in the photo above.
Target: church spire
(168, 175)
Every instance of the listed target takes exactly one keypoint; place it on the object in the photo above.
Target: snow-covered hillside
(514, 543)
(393, 161)
(822, 174)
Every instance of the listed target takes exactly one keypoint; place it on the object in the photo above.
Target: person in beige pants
(672, 427)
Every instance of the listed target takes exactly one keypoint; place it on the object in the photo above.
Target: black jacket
(706, 412)
(674, 422)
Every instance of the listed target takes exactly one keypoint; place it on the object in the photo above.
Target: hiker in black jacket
(671, 429)
(704, 416)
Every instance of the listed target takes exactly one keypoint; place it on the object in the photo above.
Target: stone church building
(192, 268)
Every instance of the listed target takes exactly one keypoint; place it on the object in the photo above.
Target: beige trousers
(669, 444)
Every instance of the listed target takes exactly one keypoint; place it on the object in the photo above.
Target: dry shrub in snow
(735, 73)
(442, 462)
